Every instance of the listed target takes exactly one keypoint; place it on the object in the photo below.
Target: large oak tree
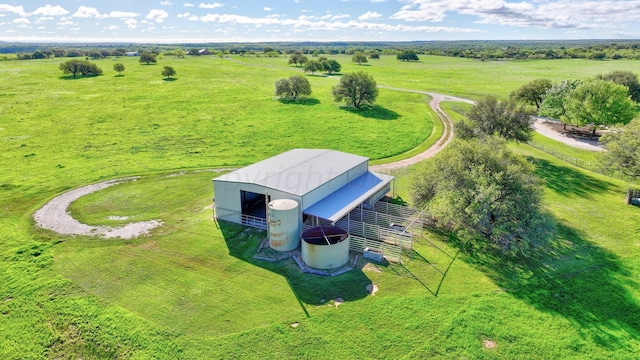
(485, 193)
(623, 149)
(356, 89)
(600, 102)
(491, 116)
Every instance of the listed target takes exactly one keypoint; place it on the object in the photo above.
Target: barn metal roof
(348, 197)
(297, 171)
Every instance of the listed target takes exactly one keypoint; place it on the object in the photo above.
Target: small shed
(327, 185)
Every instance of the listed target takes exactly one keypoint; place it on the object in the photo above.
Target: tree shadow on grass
(373, 112)
(304, 101)
(573, 278)
(78, 77)
(567, 181)
(170, 79)
(309, 289)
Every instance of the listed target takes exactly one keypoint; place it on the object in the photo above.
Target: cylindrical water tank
(284, 224)
(325, 247)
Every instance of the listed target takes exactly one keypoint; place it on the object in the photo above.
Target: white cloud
(157, 15)
(370, 15)
(65, 23)
(44, 18)
(184, 15)
(131, 23)
(188, 5)
(50, 10)
(210, 6)
(86, 12)
(535, 13)
(112, 27)
(19, 10)
(267, 9)
(166, 3)
(21, 21)
(122, 14)
(310, 23)
(378, 1)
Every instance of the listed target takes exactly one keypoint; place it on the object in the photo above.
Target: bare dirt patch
(576, 132)
(337, 302)
(489, 344)
(149, 245)
(371, 267)
(574, 136)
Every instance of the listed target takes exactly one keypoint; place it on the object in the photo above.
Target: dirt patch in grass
(371, 267)
(576, 132)
(489, 344)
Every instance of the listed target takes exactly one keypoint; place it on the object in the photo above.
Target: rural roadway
(447, 134)
(539, 125)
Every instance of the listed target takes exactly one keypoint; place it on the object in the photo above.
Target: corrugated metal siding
(227, 206)
(325, 190)
(358, 171)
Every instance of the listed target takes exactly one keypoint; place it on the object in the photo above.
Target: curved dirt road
(447, 134)
(55, 216)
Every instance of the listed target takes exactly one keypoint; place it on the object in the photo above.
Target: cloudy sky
(161, 21)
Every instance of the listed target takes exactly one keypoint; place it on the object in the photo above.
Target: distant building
(204, 52)
(132, 53)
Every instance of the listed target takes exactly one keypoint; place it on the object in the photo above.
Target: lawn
(192, 288)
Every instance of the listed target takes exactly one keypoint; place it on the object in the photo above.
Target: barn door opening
(254, 204)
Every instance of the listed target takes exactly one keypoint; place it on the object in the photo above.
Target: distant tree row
(484, 50)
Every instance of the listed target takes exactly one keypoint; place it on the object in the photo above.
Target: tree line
(483, 50)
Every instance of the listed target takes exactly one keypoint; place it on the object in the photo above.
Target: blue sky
(162, 21)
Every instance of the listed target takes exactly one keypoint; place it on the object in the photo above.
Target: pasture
(192, 289)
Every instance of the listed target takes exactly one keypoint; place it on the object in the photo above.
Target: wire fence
(582, 164)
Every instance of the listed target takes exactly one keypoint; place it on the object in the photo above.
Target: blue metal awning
(348, 197)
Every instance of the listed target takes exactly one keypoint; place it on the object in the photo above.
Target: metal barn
(327, 184)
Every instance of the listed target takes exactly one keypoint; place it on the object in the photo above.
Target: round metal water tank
(284, 224)
(325, 247)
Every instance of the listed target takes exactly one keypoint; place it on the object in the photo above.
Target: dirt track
(54, 216)
(447, 135)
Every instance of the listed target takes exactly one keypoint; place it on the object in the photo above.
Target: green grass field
(192, 289)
